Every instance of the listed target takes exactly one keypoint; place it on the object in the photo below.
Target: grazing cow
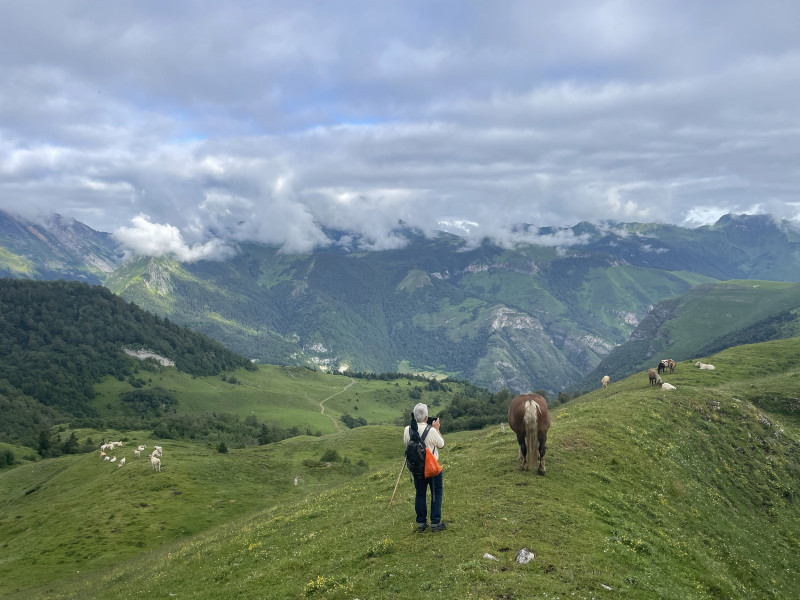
(604, 381)
(529, 418)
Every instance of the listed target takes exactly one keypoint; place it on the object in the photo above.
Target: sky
(187, 127)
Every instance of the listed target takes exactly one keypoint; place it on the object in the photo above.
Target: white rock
(488, 556)
(524, 556)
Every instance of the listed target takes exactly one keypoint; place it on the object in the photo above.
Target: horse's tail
(531, 421)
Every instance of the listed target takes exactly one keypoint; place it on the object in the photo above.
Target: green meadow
(287, 396)
(683, 494)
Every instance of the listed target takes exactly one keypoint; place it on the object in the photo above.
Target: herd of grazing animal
(154, 456)
(654, 375)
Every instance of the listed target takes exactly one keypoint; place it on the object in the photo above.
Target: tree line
(59, 338)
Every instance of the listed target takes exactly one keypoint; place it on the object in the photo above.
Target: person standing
(433, 441)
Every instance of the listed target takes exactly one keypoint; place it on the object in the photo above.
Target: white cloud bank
(154, 239)
(278, 122)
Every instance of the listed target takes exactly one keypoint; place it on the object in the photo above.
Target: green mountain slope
(540, 315)
(524, 319)
(704, 320)
(58, 249)
(58, 338)
(684, 494)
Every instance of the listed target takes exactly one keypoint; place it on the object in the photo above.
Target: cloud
(281, 122)
(154, 239)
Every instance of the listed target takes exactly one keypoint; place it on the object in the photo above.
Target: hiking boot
(439, 526)
(421, 527)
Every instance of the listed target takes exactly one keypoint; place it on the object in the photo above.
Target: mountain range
(549, 314)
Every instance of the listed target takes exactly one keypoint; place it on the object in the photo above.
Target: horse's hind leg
(523, 452)
(542, 450)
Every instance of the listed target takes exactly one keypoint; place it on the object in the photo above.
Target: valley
(532, 316)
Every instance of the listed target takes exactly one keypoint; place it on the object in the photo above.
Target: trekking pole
(398, 483)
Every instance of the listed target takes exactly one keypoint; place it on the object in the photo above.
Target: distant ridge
(537, 316)
(59, 248)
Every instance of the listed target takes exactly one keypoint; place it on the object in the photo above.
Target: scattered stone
(488, 556)
(524, 556)
(606, 587)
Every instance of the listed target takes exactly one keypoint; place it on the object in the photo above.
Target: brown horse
(529, 418)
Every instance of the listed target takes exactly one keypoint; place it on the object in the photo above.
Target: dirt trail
(322, 403)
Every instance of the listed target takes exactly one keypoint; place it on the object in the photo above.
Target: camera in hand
(431, 420)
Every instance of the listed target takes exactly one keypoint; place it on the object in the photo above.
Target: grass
(60, 517)
(685, 494)
(288, 396)
(708, 312)
(15, 264)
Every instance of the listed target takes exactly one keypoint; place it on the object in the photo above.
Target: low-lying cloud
(154, 239)
(301, 127)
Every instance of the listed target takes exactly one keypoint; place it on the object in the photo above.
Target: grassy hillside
(77, 514)
(288, 396)
(685, 494)
(703, 320)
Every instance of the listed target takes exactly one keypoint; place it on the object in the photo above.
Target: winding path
(322, 403)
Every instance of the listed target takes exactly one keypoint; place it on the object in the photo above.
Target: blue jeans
(420, 500)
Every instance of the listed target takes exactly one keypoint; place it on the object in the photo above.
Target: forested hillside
(57, 339)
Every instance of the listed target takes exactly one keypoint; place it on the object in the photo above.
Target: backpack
(416, 452)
